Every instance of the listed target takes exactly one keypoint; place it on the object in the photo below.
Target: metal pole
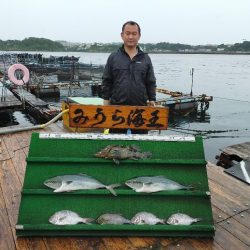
(192, 74)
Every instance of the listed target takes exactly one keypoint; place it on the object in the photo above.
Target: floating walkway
(8, 100)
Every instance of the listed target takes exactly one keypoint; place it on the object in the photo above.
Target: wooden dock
(232, 153)
(8, 100)
(35, 106)
(230, 204)
(29, 98)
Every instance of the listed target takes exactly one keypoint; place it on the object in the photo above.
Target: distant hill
(31, 44)
(43, 44)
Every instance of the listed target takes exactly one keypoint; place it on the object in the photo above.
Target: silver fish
(151, 184)
(67, 183)
(143, 218)
(67, 217)
(181, 219)
(115, 219)
(122, 152)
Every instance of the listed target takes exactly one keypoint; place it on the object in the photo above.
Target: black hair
(131, 23)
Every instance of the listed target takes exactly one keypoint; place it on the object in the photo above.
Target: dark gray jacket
(129, 82)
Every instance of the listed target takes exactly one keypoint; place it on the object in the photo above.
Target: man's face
(130, 35)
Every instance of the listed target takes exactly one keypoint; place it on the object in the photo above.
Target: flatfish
(181, 219)
(151, 184)
(143, 218)
(67, 217)
(68, 183)
(122, 152)
(116, 219)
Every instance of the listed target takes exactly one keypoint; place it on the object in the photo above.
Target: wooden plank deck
(8, 100)
(241, 150)
(230, 203)
(29, 98)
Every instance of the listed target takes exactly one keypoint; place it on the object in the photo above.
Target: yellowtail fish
(68, 183)
(151, 184)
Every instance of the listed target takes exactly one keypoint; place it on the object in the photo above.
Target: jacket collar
(138, 49)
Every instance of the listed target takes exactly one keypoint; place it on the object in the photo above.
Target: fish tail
(162, 221)
(58, 190)
(88, 220)
(190, 187)
(111, 188)
(198, 219)
(147, 154)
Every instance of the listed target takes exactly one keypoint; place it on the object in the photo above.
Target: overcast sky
(175, 21)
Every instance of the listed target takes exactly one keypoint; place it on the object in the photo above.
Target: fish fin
(111, 188)
(198, 219)
(146, 154)
(116, 161)
(140, 190)
(87, 221)
(190, 187)
(162, 221)
(58, 190)
(61, 188)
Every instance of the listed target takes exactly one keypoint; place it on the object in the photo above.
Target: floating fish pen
(65, 67)
(179, 159)
(180, 103)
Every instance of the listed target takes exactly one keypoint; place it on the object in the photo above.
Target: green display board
(182, 162)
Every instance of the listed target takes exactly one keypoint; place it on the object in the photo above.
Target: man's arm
(151, 84)
(107, 82)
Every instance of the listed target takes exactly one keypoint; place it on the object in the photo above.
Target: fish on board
(68, 183)
(67, 217)
(115, 219)
(181, 219)
(145, 218)
(151, 184)
(122, 152)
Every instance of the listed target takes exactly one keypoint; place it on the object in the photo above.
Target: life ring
(12, 77)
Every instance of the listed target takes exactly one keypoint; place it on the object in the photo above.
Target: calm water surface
(225, 77)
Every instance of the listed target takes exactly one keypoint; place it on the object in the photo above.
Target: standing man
(128, 77)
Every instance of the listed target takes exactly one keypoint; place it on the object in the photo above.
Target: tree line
(43, 44)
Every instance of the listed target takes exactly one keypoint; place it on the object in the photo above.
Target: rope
(206, 134)
(230, 99)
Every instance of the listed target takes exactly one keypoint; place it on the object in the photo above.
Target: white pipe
(41, 126)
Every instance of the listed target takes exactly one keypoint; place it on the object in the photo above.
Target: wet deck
(230, 203)
(8, 100)
(29, 98)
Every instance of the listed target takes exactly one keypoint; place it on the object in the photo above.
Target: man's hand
(106, 102)
(151, 103)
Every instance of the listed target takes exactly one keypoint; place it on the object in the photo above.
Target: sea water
(225, 77)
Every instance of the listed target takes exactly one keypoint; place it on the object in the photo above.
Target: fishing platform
(180, 159)
(229, 199)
